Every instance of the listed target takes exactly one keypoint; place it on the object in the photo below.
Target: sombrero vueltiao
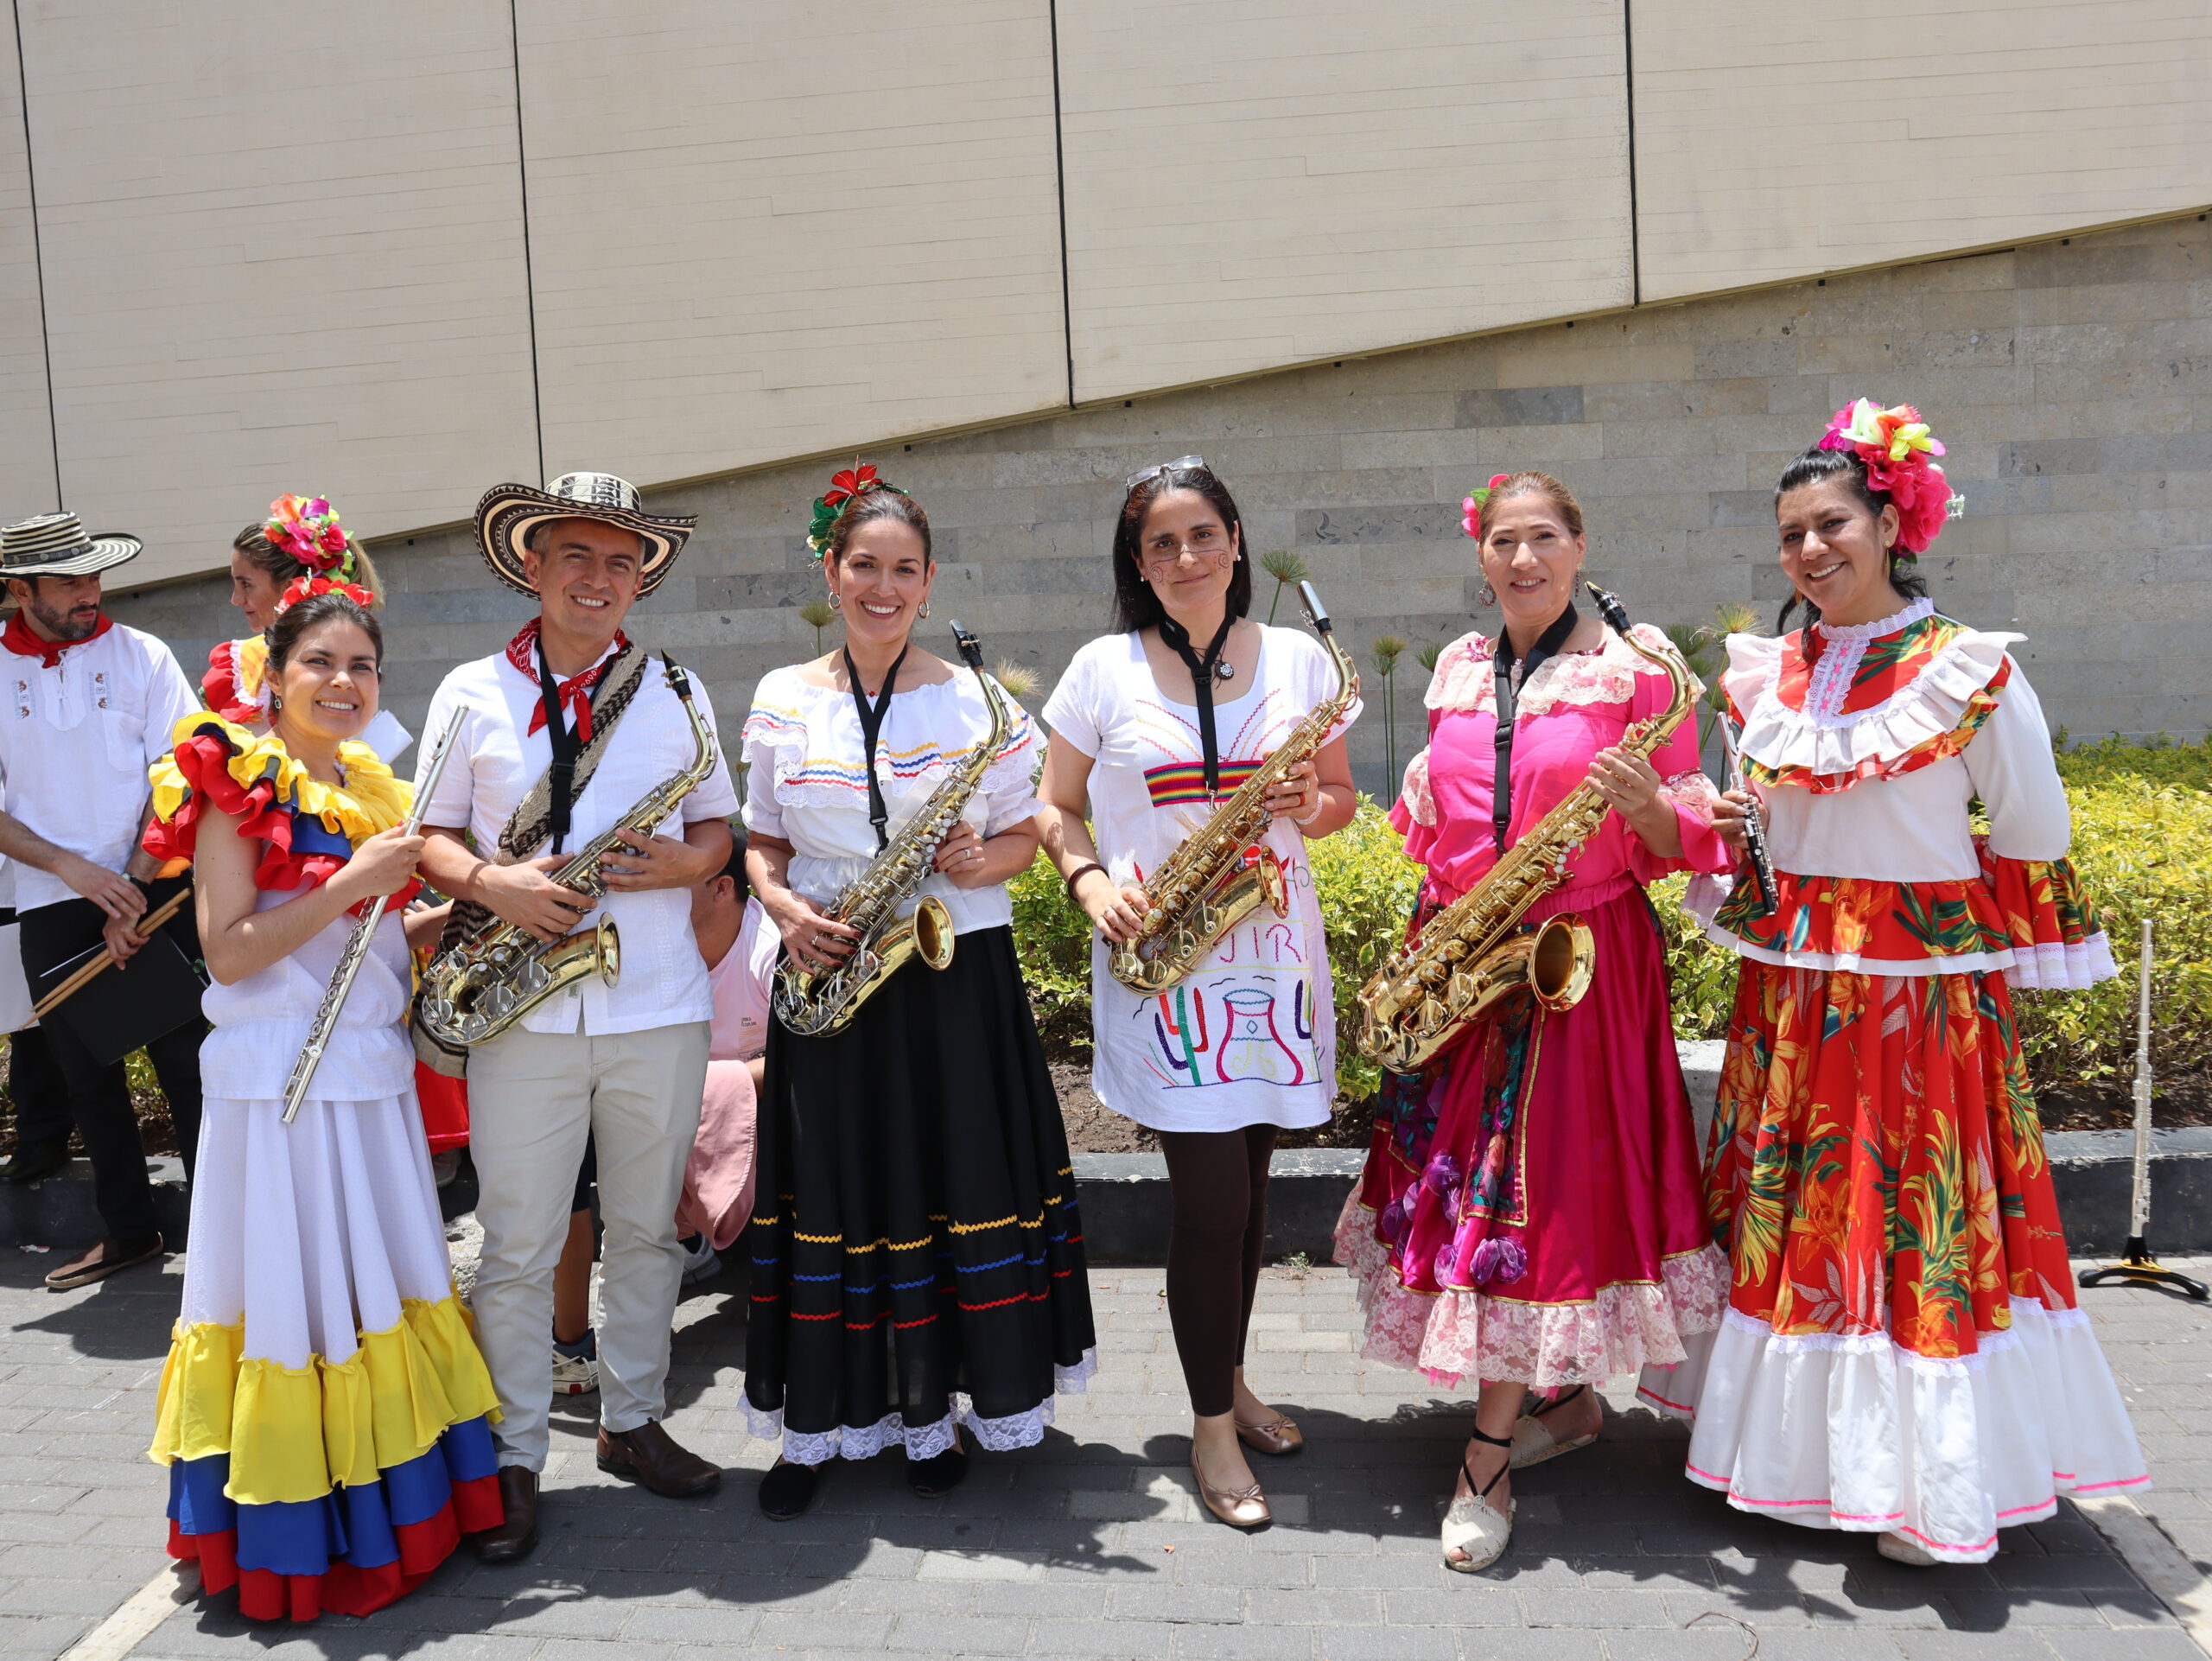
(509, 513)
(55, 544)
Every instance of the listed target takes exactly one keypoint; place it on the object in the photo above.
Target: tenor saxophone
(814, 1002)
(1212, 880)
(1473, 955)
(480, 986)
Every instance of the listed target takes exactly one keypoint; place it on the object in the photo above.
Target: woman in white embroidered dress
(918, 1257)
(1528, 1218)
(1151, 726)
(1902, 1352)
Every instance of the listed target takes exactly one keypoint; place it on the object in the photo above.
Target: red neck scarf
(576, 692)
(19, 638)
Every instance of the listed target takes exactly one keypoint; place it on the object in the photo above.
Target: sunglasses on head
(1180, 464)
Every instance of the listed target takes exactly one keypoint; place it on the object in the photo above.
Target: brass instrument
(1208, 885)
(481, 985)
(1473, 955)
(814, 1002)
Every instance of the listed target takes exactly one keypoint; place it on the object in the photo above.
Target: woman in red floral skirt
(1902, 1354)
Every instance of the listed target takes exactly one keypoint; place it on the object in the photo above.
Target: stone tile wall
(2071, 379)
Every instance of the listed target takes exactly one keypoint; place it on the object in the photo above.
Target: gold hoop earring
(925, 610)
(1489, 595)
(836, 602)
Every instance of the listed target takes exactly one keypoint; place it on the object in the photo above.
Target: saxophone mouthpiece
(972, 649)
(1610, 608)
(1316, 612)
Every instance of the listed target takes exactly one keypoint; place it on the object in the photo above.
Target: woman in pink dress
(1529, 1220)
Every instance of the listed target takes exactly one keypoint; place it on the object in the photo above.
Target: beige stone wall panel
(1257, 182)
(27, 482)
(284, 252)
(1786, 140)
(758, 231)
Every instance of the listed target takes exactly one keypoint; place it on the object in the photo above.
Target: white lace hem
(1845, 745)
(1857, 1433)
(2063, 966)
(1456, 1337)
(999, 1435)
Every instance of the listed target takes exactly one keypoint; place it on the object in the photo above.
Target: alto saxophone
(1471, 956)
(814, 1002)
(480, 986)
(1209, 883)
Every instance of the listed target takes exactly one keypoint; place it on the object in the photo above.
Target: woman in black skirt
(917, 1260)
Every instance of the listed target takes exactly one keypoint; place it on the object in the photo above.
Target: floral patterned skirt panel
(1899, 1273)
(1530, 1209)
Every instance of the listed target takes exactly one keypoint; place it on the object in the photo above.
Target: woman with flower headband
(1152, 725)
(299, 550)
(918, 1267)
(324, 1410)
(1902, 1352)
(1528, 1222)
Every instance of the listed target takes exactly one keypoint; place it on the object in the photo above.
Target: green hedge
(2142, 842)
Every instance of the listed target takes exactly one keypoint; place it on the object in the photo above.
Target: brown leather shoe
(649, 1456)
(109, 1257)
(516, 1538)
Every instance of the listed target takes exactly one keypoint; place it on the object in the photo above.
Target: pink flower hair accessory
(1471, 509)
(306, 588)
(307, 528)
(1899, 453)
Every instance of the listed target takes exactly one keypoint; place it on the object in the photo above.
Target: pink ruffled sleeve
(1683, 783)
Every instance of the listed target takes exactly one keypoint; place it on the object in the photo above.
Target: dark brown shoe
(516, 1538)
(649, 1455)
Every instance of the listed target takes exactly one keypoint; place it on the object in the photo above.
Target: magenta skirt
(1530, 1207)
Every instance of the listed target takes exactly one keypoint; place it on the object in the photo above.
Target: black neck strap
(1501, 811)
(1203, 671)
(566, 747)
(872, 716)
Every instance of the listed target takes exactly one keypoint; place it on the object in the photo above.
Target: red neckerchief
(575, 693)
(19, 639)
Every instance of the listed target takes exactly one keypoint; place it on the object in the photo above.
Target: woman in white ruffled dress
(1902, 1354)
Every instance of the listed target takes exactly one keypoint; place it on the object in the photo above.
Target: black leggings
(1219, 1181)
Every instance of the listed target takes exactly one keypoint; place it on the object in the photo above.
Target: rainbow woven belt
(335, 1487)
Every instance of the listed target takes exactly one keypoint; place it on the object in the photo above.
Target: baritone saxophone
(1473, 956)
(1213, 881)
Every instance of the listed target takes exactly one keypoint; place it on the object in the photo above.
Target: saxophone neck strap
(532, 824)
(871, 713)
(1505, 665)
(1204, 672)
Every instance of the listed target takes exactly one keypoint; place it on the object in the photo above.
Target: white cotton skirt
(314, 1232)
(1859, 1433)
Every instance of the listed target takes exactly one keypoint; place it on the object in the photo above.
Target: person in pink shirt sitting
(740, 946)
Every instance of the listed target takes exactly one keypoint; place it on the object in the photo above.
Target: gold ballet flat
(1277, 1435)
(1241, 1508)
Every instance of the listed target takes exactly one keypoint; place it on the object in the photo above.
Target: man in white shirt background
(625, 1063)
(86, 705)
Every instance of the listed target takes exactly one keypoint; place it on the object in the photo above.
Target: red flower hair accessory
(1471, 509)
(305, 587)
(307, 528)
(1899, 453)
(847, 485)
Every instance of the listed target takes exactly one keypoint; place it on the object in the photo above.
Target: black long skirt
(918, 1255)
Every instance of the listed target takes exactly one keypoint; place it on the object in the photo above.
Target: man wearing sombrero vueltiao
(88, 707)
(625, 1063)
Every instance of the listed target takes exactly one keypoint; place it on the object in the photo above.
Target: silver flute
(1754, 821)
(357, 943)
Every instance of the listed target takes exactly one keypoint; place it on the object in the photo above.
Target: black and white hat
(54, 544)
(509, 513)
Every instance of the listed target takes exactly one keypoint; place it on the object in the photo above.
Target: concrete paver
(1093, 1544)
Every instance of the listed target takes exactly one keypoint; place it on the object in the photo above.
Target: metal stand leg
(2137, 1267)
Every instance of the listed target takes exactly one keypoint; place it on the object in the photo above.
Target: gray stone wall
(2072, 381)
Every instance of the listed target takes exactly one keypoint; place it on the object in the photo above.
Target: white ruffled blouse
(807, 783)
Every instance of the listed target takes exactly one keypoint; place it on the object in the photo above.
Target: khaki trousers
(533, 1098)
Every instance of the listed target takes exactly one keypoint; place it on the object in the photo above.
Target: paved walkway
(1092, 1544)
